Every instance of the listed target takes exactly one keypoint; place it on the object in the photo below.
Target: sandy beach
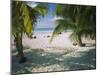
(43, 41)
(59, 55)
(72, 29)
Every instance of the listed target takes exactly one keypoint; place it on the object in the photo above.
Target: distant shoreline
(46, 30)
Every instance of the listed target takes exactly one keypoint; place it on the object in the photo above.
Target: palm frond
(82, 19)
(62, 25)
(41, 9)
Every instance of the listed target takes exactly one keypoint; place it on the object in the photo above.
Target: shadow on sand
(39, 58)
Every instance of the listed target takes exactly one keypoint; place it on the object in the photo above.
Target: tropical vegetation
(78, 18)
(23, 22)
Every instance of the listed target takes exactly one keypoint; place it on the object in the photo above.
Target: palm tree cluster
(23, 22)
(78, 18)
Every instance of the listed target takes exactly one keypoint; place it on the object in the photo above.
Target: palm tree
(23, 18)
(80, 19)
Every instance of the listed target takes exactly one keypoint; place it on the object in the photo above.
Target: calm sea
(44, 30)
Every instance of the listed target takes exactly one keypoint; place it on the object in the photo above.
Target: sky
(48, 21)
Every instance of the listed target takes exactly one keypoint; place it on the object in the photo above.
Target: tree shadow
(86, 61)
(38, 58)
(35, 58)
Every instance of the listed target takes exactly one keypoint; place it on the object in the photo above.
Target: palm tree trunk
(19, 48)
(79, 41)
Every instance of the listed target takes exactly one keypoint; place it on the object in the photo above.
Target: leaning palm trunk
(19, 48)
(79, 42)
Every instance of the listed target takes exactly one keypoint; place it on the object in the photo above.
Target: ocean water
(43, 30)
(46, 30)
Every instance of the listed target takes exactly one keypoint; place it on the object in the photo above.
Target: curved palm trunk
(19, 47)
(79, 41)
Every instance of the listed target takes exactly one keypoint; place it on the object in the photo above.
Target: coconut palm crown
(80, 19)
(23, 22)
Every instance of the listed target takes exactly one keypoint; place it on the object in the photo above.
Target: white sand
(42, 41)
(59, 44)
(56, 56)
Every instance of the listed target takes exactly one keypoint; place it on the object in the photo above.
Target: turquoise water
(44, 30)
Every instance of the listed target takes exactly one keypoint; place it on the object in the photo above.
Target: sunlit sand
(58, 55)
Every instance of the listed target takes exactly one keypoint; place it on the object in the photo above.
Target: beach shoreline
(59, 55)
(42, 41)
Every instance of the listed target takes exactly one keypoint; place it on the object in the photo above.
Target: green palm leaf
(80, 19)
